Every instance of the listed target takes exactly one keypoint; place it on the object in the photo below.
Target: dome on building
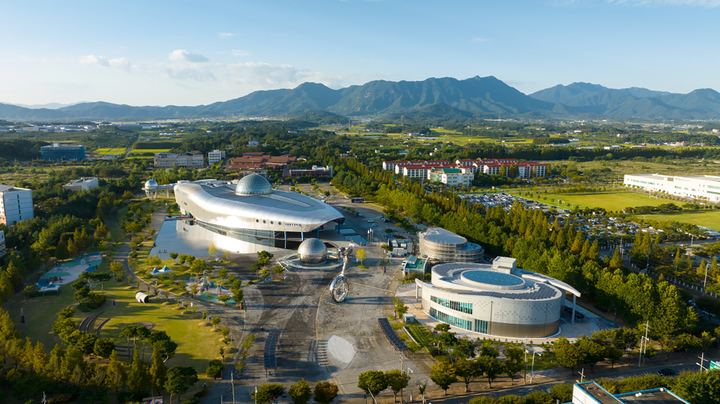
(253, 184)
(151, 184)
(312, 251)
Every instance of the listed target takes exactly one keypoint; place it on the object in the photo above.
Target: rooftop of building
(713, 178)
(82, 180)
(10, 188)
(448, 171)
(652, 396)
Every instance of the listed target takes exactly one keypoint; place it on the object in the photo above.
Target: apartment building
(193, 159)
(16, 205)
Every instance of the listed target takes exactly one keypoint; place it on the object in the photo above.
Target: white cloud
(227, 34)
(124, 64)
(183, 55)
(95, 60)
(239, 53)
(480, 40)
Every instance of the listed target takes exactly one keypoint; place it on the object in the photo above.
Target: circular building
(497, 299)
(440, 245)
(312, 251)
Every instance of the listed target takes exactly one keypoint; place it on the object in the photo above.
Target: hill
(433, 98)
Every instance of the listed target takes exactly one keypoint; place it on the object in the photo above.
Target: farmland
(110, 151)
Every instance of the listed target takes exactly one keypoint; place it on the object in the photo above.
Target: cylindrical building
(499, 299)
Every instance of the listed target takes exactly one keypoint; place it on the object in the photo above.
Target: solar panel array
(391, 336)
(271, 349)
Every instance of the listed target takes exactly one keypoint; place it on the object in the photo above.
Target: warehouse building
(701, 187)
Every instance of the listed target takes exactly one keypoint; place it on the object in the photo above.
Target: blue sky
(198, 52)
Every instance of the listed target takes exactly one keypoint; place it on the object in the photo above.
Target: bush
(214, 368)
(93, 302)
(192, 400)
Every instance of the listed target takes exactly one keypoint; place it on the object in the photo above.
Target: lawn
(705, 218)
(420, 334)
(610, 200)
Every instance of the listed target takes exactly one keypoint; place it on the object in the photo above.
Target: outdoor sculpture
(340, 287)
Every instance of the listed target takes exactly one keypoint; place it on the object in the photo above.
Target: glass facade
(481, 326)
(452, 320)
(457, 306)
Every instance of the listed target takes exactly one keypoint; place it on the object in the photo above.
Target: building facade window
(457, 306)
(481, 326)
(452, 320)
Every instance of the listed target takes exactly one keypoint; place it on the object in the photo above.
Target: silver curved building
(312, 251)
(441, 245)
(497, 299)
(250, 208)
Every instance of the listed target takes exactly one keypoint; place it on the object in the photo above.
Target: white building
(192, 159)
(457, 177)
(499, 299)
(83, 184)
(16, 205)
(701, 187)
(215, 156)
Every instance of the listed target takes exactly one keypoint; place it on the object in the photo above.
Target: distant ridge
(428, 99)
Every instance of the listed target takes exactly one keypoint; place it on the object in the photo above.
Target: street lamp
(408, 389)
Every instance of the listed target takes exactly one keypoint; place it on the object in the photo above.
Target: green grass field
(420, 334)
(709, 219)
(610, 200)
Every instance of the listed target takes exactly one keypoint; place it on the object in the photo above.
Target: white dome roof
(253, 184)
(151, 183)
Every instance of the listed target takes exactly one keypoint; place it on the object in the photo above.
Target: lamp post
(408, 389)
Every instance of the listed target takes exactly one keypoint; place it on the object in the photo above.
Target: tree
(492, 368)
(467, 370)
(421, 390)
(137, 378)
(699, 387)
(104, 347)
(443, 374)
(372, 382)
(267, 392)
(173, 255)
(179, 379)
(514, 362)
(442, 327)
(158, 372)
(278, 269)
(212, 249)
(300, 392)
(115, 373)
(397, 380)
(325, 392)
(567, 354)
(222, 273)
(360, 254)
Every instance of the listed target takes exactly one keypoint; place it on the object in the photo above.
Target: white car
(370, 221)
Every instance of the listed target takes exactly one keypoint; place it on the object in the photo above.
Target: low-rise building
(58, 152)
(592, 393)
(215, 156)
(193, 159)
(16, 205)
(457, 177)
(700, 187)
(83, 184)
(315, 171)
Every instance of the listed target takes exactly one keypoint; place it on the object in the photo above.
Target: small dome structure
(312, 251)
(151, 184)
(253, 184)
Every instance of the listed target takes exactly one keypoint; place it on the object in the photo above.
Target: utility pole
(643, 343)
(525, 369)
(702, 362)
(232, 383)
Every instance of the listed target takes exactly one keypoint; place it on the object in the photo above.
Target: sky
(192, 52)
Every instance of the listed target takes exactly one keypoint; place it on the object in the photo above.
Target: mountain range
(432, 98)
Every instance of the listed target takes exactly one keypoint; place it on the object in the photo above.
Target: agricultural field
(709, 219)
(154, 151)
(110, 151)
